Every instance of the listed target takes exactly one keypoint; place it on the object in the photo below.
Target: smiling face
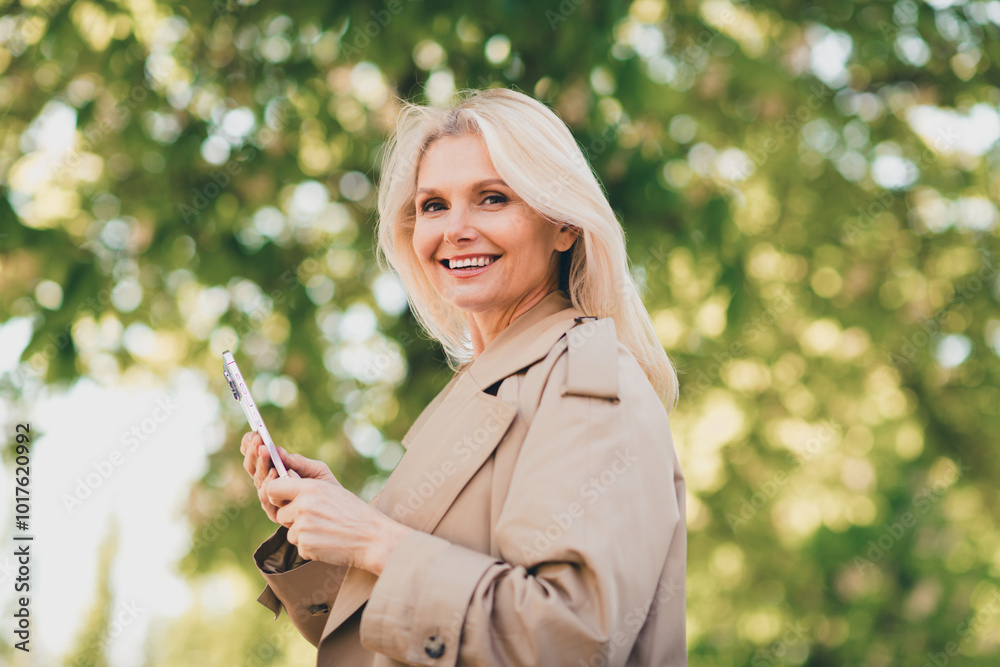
(464, 211)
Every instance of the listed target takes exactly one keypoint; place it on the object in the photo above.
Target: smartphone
(241, 392)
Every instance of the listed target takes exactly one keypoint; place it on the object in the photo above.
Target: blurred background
(809, 195)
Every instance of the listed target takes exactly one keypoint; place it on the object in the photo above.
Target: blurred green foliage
(808, 192)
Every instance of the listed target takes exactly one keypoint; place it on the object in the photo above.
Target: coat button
(434, 647)
(317, 609)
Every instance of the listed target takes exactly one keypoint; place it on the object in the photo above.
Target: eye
(499, 199)
(426, 207)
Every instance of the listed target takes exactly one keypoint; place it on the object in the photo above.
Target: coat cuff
(417, 607)
(306, 591)
(275, 556)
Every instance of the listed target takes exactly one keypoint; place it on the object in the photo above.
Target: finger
(250, 460)
(254, 441)
(286, 458)
(300, 462)
(246, 441)
(284, 489)
(265, 504)
(285, 515)
(269, 509)
(283, 455)
(271, 475)
(263, 465)
(290, 460)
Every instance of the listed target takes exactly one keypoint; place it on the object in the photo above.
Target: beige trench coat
(548, 532)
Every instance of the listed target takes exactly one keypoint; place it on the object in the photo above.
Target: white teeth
(471, 261)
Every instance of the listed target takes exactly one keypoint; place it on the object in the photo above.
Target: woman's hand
(257, 462)
(328, 523)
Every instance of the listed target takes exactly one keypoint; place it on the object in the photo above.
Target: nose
(459, 228)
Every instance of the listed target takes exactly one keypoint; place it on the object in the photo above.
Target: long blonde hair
(534, 153)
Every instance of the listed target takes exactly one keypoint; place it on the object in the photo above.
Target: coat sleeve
(305, 589)
(583, 537)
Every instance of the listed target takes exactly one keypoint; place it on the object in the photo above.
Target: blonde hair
(534, 153)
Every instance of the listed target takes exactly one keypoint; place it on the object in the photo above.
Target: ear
(567, 237)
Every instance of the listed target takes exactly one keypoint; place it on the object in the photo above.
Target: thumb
(301, 461)
(301, 464)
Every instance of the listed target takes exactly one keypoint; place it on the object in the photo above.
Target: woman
(537, 517)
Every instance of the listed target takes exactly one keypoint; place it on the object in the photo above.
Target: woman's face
(465, 211)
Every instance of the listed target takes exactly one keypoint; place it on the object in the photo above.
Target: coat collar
(526, 340)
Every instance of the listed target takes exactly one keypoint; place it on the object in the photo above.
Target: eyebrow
(475, 186)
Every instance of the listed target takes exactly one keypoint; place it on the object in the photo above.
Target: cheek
(423, 245)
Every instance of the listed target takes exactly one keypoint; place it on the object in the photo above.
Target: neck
(484, 327)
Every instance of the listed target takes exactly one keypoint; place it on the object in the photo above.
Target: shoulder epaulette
(592, 359)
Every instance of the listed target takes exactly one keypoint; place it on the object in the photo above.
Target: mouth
(469, 271)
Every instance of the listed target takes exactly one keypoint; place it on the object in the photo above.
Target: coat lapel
(454, 435)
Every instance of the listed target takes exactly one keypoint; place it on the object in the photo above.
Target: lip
(466, 273)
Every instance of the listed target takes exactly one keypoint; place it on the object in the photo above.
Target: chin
(473, 303)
